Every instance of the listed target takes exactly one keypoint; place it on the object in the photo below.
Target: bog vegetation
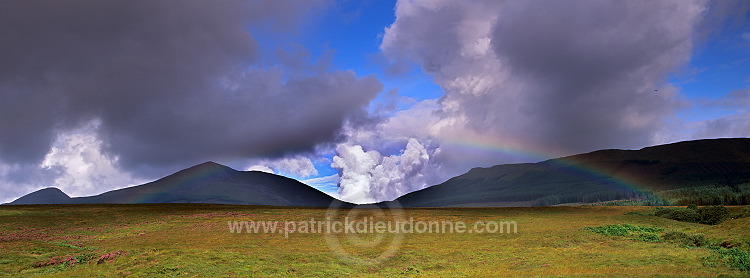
(193, 240)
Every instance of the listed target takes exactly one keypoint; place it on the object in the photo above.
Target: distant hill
(703, 172)
(49, 195)
(205, 183)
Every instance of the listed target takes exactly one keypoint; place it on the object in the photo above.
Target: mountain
(49, 195)
(207, 183)
(703, 171)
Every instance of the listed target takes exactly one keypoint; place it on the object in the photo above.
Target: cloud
(19, 179)
(326, 184)
(83, 168)
(394, 130)
(75, 163)
(574, 76)
(325, 181)
(296, 166)
(260, 168)
(355, 172)
(169, 84)
(523, 81)
(734, 125)
(739, 99)
(368, 176)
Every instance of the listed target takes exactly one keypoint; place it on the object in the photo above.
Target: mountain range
(204, 183)
(701, 171)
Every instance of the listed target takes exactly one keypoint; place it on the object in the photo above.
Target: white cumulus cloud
(83, 168)
(368, 176)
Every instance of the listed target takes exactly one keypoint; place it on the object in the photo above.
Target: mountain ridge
(208, 182)
(600, 175)
(659, 173)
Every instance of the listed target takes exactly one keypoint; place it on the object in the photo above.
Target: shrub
(713, 215)
(649, 237)
(693, 206)
(660, 211)
(679, 214)
(611, 230)
(85, 257)
(736, 258)
(685, 239)
(641, 233)
(623, 230)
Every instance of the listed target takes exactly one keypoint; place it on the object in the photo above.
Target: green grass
(624, 230)
(194, 240)
(730, 255)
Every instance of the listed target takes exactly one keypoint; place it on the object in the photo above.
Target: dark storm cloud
(596, 70)
(168, 81)
(569, 75)
(542, 78)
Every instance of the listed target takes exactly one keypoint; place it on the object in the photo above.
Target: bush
(611, 230)
(736, 258)
(679, 214)
(649, 237)
(693, 206)
(643, 233)
(713, 215)
(660, 211)
(685, 239)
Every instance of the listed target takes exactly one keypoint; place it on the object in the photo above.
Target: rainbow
(526, 152)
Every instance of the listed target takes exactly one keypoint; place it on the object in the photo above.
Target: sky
(364, 100)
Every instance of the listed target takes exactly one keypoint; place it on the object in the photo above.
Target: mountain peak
(49, 195)
(211, 165)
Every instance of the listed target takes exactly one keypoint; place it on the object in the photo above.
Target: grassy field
(195, 240)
